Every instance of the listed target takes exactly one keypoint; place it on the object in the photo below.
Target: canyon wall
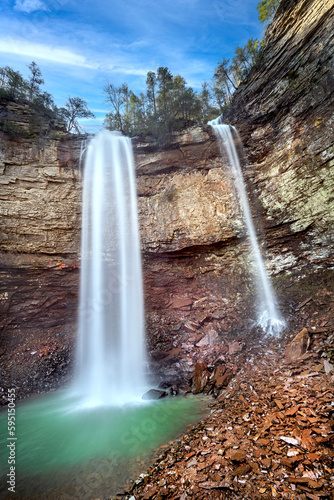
(284, 112)
(199, 293)
(39, 242)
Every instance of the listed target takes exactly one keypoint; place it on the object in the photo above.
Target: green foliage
(267, 9)
(44, 113)
(12, 84)
(223, 84)
(167, 106)
(12, 129)
(151, 83)
(228, 76)
(35, 81)
(117, 97)
(244, 59)
(13, 87)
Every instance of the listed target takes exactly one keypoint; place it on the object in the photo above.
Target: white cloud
(127, 70)
(65, 56)
(29, 6)
(40, 51)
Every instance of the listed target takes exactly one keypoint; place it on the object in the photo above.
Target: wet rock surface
(154, 394)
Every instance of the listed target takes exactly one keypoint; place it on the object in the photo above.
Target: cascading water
(269, 317)
(83, 147)
(82, 441)
(111, 346)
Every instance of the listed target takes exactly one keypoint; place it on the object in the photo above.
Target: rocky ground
(269, 433)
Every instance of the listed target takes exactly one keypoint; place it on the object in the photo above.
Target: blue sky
(80, 45)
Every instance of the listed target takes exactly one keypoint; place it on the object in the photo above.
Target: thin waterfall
(83, 147)
(269, 317)
(111, 346)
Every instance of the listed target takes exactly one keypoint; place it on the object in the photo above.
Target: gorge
(198, 291)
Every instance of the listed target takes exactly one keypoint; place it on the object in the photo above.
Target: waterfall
(269, 317)
(83, 147)
(111, 349)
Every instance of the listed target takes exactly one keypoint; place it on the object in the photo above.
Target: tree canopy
(169, 104)
(166, 105)
(45, 113)
(267, 9)
(75, 108)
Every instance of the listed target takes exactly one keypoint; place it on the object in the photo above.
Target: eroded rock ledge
(197, 275)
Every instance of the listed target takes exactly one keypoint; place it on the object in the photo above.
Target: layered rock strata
(199, 292)
(39, 242)
(284, 113)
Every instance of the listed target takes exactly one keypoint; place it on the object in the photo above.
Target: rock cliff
(40, 234)
(199, 292)
(284, 114)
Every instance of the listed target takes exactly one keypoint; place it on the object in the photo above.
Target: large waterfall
(111, 348)
(269, 318)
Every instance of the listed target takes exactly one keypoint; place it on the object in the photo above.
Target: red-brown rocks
(298, 346)
(200, 378)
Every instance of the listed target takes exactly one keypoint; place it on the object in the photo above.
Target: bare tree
(117, 97)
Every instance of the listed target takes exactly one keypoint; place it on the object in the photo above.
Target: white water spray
(269, 317)
(111, 346)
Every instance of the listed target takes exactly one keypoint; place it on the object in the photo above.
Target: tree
(207, 110)
(75, 108)
(165, 83)
(267, 9)
(223, 84)
(35, 80)
(135, 118)
(223, 76)
(118, 98)
(168, 105)
(164, 112)
(245, 57)
(13, 85)
(151, 82)
(185, 104)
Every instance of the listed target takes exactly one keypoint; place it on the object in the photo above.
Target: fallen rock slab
(154, 394)
(298, 346)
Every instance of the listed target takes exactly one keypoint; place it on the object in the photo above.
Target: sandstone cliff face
(285, 115)
(40, 199)
(185, 197)
(199, 292)
(39, 240)
(197, 280)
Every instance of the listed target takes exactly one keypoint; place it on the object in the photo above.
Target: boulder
(217, 373)
(154, 394)
(200, 378)
(224, 380)
(298, 346)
